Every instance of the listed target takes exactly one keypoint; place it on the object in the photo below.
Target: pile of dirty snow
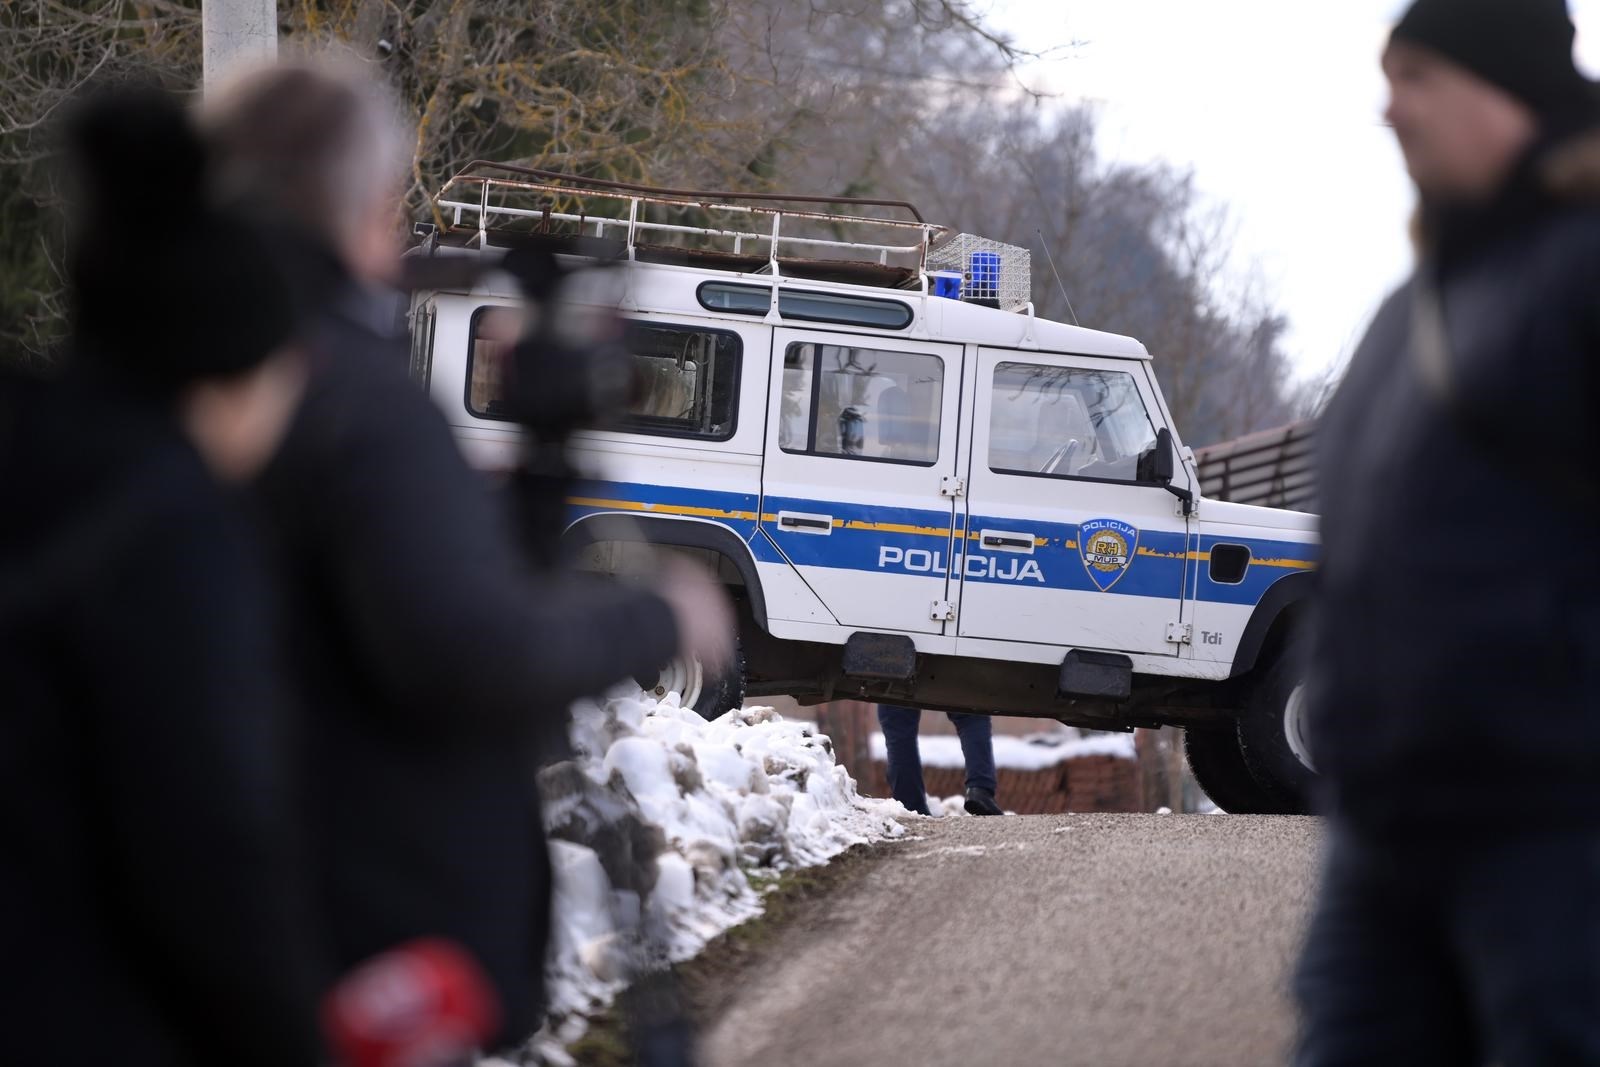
(657, 823)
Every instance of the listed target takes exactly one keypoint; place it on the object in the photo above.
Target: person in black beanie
(1521, 47)
(152, 910)
(1454, 695)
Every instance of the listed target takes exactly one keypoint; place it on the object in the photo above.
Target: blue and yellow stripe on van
(738, 511)
(1166, 564)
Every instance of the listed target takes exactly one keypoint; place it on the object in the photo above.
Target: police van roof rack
(487, 199)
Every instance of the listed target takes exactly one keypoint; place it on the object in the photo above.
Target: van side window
(1067, 422)
(808, 305)
(861, 403)
(686, 379)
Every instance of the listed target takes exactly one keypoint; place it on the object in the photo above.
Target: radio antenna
(1059, 284)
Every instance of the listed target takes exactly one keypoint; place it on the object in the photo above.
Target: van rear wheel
(710, 695)
(1218, 765)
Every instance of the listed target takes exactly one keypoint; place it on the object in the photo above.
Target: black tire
(724, 692)
(1265, 743)
(1218, 766)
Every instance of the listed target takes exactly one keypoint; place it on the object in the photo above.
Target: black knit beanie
(1521, 46)
(166, 287)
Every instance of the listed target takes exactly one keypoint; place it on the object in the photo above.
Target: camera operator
(430, 655)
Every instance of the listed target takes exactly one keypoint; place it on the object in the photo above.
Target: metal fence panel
(1274, 468)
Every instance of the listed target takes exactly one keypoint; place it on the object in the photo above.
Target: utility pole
(235, 31)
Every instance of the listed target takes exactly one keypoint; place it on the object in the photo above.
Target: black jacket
(1456, 669)
(430, 659)
(150, 912)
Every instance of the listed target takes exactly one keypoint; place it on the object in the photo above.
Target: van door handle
(811, 524)
(1011, 542)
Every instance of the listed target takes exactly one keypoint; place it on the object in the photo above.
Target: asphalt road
(1093, 940)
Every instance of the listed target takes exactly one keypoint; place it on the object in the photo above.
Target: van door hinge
(942, 611)
(952, 487)
(1180, 633)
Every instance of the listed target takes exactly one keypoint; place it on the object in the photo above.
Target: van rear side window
(861, 403)
(687, 379)
(493, 330)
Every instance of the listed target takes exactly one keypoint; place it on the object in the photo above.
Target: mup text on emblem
(1107, 547)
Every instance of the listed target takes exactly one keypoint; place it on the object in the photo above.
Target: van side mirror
(1164, 468)
(1162, 461)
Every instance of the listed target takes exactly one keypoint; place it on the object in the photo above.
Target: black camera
(571, 369)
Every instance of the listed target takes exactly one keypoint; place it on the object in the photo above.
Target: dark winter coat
(430, 659)
(1457, 658)
(149, 907)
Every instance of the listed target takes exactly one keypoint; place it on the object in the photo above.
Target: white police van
(917, 490)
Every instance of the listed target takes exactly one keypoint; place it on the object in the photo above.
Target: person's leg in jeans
(977, 749)
(899, 727)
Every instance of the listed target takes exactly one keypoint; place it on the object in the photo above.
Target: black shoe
(981, 802)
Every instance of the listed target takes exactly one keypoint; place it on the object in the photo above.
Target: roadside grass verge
(793, 903)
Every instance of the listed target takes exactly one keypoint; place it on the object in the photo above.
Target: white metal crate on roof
(992, 272)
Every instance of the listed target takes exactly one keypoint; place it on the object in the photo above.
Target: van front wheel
(1272, 737)
(1219, 769)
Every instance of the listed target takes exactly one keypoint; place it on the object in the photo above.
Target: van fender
(682, 533)
(1280, 596)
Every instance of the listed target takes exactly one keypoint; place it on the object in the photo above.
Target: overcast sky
(1276, 107)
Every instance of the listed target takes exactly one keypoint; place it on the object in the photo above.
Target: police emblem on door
(1107, 547)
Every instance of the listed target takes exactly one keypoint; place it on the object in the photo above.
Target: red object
(424, 1004)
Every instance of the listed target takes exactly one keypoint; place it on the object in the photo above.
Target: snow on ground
(658, 822)
(1029, 752)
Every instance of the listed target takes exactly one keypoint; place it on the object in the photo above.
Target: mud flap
(881, 657)
(1102, 675)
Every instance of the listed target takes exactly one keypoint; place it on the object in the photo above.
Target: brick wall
(1085, 784)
